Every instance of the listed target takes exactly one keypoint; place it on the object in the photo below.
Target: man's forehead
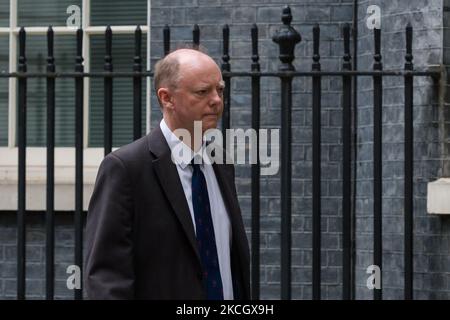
(200, 72)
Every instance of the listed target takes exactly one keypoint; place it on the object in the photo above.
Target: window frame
(13, 30)
(36, 156)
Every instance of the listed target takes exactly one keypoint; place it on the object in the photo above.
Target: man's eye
(202, 92)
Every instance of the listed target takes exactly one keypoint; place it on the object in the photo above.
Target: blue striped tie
(206, 239)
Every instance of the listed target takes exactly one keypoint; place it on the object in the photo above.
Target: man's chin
(206, 128)
(209, 124)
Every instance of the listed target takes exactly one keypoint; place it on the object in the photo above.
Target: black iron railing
(286, 38)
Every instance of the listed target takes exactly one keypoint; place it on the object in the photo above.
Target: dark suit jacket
(139, 234)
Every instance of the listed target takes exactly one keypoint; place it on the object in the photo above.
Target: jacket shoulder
(131, 152)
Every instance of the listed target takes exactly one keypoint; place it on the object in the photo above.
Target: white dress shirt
(220, 218)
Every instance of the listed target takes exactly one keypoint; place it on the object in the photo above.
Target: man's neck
(195, 143)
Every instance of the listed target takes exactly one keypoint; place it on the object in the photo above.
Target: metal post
(22, 140)
(49, 219)
(316, 159)
(79, 159)
(226, 79)
(377, 159)
(346, 168)
(137, 86)
(108, 90)
(409, 168)
(286, 38)
(255, 169)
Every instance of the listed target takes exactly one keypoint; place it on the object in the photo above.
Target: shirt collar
(182, 155)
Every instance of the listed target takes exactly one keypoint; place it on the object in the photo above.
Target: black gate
(287, 38)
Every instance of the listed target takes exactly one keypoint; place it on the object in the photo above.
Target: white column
(12, 68)
(86, 22)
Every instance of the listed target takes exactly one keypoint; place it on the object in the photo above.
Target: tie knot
(194, 165)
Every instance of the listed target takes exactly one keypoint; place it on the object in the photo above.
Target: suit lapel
(167, 174)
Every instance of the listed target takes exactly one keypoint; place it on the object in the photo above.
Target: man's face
(198, 95)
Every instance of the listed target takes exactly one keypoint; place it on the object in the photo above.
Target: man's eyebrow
(209, 86)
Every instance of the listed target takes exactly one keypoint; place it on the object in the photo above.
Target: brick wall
(35, 254)
(431, 237)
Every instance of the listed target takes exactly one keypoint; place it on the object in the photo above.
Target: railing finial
(347, 56)
(316, 47)
(196, 36)
(255, 55)
(377, 56)
(409, 39)
(287, 38)
(166, 36)
(22, 66)
(50, 47)
(226, 47)
(137, 49)
(286, 17)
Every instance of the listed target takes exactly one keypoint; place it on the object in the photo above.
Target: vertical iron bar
(409, 154)
(226, 78)
(22, 139)
(49, 219)
(377, 161)
(355, 149)
(316, 159)
(79, 159)
(286, 138)
(166, 37)
(286, 38)
(346, 168)
(196, 36)
(108, 87)
(137, 86)
(255, 169)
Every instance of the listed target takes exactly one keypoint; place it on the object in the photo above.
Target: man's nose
(216, 97)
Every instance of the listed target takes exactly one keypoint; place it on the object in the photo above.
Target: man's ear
(165, 97)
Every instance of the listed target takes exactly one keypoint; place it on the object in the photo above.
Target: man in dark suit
(164, 229)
